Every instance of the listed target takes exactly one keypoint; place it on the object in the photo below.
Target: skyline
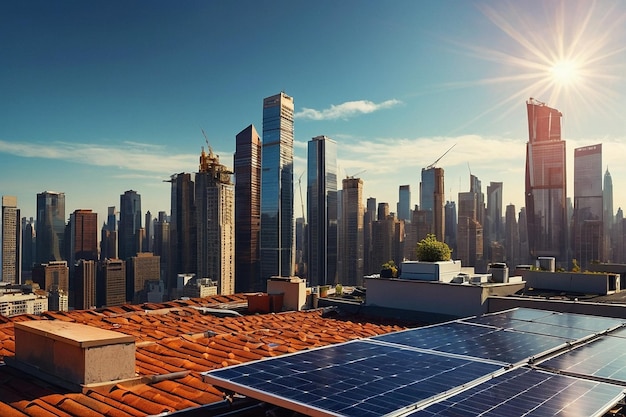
(116, 94)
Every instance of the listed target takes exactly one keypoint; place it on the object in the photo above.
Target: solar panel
(359, 378)
(604, 358)
(530, 393)
(500, 319)
(581, 321)
(507, 347)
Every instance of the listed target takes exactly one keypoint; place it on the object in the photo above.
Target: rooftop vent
(75, 353)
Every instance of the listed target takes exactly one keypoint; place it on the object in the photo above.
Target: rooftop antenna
(437, 160)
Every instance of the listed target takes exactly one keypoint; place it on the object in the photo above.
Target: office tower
(28, 246)
(493, 220)
(546, 212)
(587, 226)
(511, 237)
(619, 252)
(247, 163)
(368, 219)
(130, 223)
(85, 285)
(162, 243)
(111, 283)
(11, 241)
(608, 216)
(522, 227)
(322, 211)
(404, 203)
(215, 220)
(277, 245)
(432, 200)
(83, 236)
(183, 238)
(451, 226)
(351, 240)
(50, 226)
(141, 270)
(52, 275)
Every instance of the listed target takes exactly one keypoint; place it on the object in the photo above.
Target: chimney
(75, 353)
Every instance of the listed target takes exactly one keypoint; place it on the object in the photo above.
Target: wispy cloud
(345, 110)
(132, 156)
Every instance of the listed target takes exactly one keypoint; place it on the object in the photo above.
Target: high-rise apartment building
(140, 270)
(322, 211)
(11, 241)
(52, 275)
(546, 194)
(587, 225)
(247, 164)
(277, 237)
(404, 203)
(50, 227)
(351, 254)
(432, 200)
(215, 220)
(130, 224)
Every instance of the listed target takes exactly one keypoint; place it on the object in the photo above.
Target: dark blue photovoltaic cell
(604, 357)
(549, 330)
(530, 393)
(580, 321)
(357, 378)
(509, 347)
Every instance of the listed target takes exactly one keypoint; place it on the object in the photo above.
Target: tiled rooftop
(175, 341)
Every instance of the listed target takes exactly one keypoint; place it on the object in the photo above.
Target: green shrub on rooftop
(430, 249)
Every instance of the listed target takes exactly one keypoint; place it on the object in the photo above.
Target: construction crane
(437, 160)
(206, 139)
(301, 200)
(354, 175)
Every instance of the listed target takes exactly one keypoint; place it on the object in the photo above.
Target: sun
(565, 73)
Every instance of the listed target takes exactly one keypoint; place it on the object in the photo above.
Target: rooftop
(175, 342)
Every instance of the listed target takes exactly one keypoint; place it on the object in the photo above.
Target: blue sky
(97, 98)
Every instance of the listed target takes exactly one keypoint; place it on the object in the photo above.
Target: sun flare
(565, 72)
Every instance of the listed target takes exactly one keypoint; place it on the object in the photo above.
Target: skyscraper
(494, 212)
(130, 223)
(50, 226)
(511, 237)
(432, 200)
(215, 220)
(451, 226)
(404, 203)
(368, 220)
(11, 241)
(351, 241)
(84, 236)
(470, 231)
(608, 216)
(322, 210)
(108, 236)
(183, 239)
(546, 211)
(162, 243)
(247, 163)
(587, 227)
(277, 236)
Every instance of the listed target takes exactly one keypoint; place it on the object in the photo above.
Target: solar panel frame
(508, 347)
(375, 378)
(528, 392)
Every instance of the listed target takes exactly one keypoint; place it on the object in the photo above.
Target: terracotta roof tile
(173, 337)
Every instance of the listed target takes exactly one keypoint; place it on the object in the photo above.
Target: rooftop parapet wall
(573, 282)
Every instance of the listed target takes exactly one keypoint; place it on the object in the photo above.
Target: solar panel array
(469, 366)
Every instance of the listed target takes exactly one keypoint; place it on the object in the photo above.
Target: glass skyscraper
(50, 226)
(322, 211)
(587, 227)
(546, 211)
(277, 230)
(404, 203)
(130, 223)
(432, 201)
(247, 162)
